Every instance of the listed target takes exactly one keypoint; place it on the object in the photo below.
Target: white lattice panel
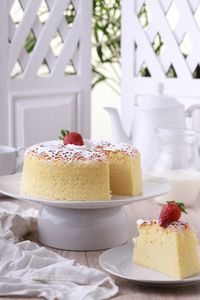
(45, 53)
(160, 42)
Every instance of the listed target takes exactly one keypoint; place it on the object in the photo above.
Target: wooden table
(128, 290)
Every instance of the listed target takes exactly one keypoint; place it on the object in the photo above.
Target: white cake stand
(83, 225)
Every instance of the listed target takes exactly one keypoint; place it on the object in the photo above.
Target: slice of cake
(53, 170)
(125, 168)
(167, 247)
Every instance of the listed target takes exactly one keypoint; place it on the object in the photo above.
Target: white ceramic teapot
(158, 110)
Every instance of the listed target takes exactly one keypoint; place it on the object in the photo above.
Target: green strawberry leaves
(64, 132)
(181, 205)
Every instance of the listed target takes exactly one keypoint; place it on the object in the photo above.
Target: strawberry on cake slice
(167, 245)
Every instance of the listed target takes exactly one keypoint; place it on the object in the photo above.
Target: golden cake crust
(56, 151)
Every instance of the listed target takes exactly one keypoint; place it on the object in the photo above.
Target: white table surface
(128, 290)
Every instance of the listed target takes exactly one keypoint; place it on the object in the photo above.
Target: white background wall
(102, 96)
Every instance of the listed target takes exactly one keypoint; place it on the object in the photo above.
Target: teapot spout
(118, 133)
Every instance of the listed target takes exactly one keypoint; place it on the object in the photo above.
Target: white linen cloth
(26, 269)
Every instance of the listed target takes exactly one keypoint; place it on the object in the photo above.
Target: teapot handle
(193, 112)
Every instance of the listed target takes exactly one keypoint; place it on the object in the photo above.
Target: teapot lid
(158, 100)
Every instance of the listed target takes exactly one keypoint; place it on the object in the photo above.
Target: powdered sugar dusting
(102, 143)
(140, 222)
(117, 147)
(176, 226)
(146, 222)
(56, 150)
(179, 225)
(91, 151)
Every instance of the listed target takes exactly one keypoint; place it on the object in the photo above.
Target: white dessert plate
(118, 261)
(152, 187)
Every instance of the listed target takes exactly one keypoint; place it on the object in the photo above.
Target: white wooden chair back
(48, 88)
(175, 26)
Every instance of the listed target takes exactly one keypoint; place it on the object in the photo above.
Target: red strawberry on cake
(171, 212)
(74, 138)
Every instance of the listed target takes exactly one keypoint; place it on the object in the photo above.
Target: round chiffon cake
(53, 170)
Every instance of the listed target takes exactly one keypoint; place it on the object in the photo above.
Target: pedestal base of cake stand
(82, 229)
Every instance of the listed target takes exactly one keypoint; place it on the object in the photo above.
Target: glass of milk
(179, 162)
